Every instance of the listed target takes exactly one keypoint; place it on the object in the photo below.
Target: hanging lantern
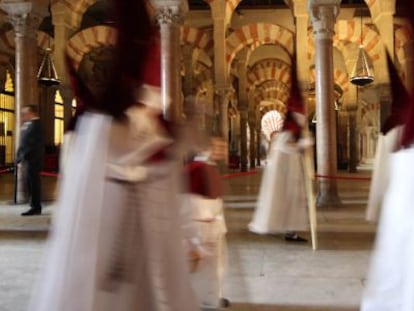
(47, 74)
(363, 73)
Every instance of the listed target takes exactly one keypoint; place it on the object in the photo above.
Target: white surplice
(390, 281)
(380, 176)
(282, 204)
(116, 241)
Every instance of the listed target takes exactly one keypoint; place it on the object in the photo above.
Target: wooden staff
(309, 178)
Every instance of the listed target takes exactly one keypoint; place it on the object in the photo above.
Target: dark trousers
(31, 178)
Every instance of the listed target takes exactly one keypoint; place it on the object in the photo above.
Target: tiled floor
(265, 272)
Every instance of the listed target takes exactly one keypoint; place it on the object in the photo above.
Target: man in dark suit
(30, 154)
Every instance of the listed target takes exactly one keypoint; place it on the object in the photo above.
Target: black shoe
(294, 238)
(32, 212)
(224, 303)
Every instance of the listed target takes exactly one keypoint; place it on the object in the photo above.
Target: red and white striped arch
(341, 78)
(350, 31)
(86, 40)
(268, 70)
(258, 33)
(270, 93)
(198, 38)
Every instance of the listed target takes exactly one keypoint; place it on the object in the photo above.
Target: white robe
(282, 204)
(390, 281)
(116, 243)
(380, 176)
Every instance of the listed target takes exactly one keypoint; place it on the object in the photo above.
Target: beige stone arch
(257, 34)
(404, 40)
(86, 40)
(75, 10)
(7, 45)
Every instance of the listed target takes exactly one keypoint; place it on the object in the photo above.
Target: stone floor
(265, 272)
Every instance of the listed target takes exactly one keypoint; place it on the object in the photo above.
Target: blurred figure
(282, 202)
(390, 280)
(205, 228)
(116, 243)
(31, 156)
(388, 140)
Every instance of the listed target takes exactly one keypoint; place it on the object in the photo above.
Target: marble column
(222, 103)
(323, 15)
(25, 24)
(169, 19)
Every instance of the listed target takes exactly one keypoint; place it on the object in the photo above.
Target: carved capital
(224, 92)
(169, 15)
(323, 14)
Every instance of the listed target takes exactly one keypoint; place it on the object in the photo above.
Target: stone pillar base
(328, 200)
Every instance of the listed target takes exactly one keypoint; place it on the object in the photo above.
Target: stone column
(253, 139)
(353, 135)
(222, 101)
(47, 114)
(169, 16)
(243, 108)
(67, 96)
(258, 144)
(323, 19)
(25, 24)
(63, 30)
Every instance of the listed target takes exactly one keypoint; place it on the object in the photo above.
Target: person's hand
(306, 142)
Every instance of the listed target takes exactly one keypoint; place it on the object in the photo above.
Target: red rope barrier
(238, 174)
(7, 170)
(343, 177)
(49, 174)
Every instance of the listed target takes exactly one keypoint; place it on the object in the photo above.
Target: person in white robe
(282, 204)
(282, 201)
(116, 241)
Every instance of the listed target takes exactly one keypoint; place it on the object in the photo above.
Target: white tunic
(390, 282)
(282, 204)
(116, 243)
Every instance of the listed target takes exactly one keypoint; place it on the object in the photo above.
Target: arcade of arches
(234, 58)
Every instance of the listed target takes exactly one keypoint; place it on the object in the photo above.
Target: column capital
(24, 17)
(223, 90)
(323, 14)
(169, 15)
